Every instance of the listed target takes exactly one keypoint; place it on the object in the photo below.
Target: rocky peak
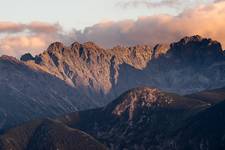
(90, 45)
(130, 103)
(196, 50)
(75, 45)
(27, 57)
(56, 47)
(188, 39)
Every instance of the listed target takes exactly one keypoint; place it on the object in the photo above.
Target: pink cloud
(33, 37)
(205, 20)
(15, 46)
(12, 27)
(43, 27)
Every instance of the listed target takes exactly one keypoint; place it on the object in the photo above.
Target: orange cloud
(206, 20)
(33, 37)
(15, 46)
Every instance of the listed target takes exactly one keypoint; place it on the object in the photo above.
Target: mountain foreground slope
(48, 135)
(204, 131)
(141, 118)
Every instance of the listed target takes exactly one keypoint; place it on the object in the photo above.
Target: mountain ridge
(64, 79)
(141, 118)
(91, 67)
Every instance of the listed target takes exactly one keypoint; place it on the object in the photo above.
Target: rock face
(90, 68)
(26, 93)
(187, 66)
(190, 65)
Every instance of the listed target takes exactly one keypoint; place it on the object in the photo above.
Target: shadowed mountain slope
(204, 131)
(48, 135)
(26, 94)
(141, 118)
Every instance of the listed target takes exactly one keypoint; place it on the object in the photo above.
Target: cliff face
(189, 65)
(88, 67)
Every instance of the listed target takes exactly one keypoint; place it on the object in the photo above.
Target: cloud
(15, 46)
(205, 20)
(149, 3)
(219, 0)
(153, 4)
(12, 27)
(18, 38)
(44, 27)
(8, 27)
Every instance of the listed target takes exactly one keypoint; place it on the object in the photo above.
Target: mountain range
(115, 96)
(65, 79)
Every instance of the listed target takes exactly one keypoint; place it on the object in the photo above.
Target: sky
(30, 26)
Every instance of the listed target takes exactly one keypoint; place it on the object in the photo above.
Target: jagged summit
(90, 45)
(55, 45)
(27, 57)
(196, 50)
(187, 39)
(98, 70)
(200, 41)
(75, 45)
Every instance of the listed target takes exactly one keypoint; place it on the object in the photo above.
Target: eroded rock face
(26, 93)
(189, 65)
(89, 67)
